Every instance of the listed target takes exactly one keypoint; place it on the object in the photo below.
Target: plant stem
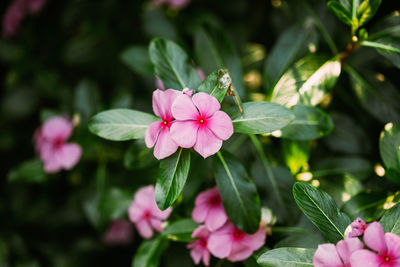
(268, 169)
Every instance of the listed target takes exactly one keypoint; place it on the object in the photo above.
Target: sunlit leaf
(287, 257)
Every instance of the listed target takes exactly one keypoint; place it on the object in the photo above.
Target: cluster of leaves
(307, 144)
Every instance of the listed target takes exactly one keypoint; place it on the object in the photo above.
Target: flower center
(386, 258)
(147, 214)
(215, 200)
(58, 143)
(237, 234)
(201, 121)
(165, 122)
(202, 242)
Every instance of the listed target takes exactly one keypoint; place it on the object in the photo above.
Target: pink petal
(152, 133)
(162, 102)
(206, 104)
(255, 241)
(216, 218)
(69, 155)
(393, 245)
(184, 133)
(52, 165)
(326, 256)
(221, 125)
(374, 237)
(145, 196)
(206, 257)
(160, 214)
(165, 146)
(200, 213)
(135, 212)
(159, 84)
(34, 6)
(144, 229)
(184, 109)
(201, 73)
(187, 91)
(220, 245)
(346, 247)
(206, 195)
(207, 143)
(196, 254)
(200, 231)
(364, 258)
(156, 224)
(239, 252)
(57, 128)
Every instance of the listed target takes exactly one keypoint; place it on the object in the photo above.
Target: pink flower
(50, 143)
(357, 228)
(199, 250)
(209, 209)
(386, 249)
(172, 3)
(234, 244)
(145, 214)
(34, 6)
(329, 255)
(120, 232)
(158, 134)
(200, 124)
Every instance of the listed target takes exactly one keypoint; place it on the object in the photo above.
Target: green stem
(268, 169)
(323, 31)
(380, 46)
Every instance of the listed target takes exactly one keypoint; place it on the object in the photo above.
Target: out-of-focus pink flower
(158, 133)
(357, 228)
(172, 3)
(16, 12)
(209, 209)
(50, 143)
(145, 214)
(329, 255)
(199, 250)
(200, 123)
(386, 249)
(234, 244)
(120, 232)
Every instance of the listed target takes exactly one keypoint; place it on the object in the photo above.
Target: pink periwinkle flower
(50, 143)
(329, 255)
(145, 214)
(34, 6)
(200, 124)
(234, 244)
(385, 249)
(209, 209)
(119, 232)
(199, 250)
(357, 227)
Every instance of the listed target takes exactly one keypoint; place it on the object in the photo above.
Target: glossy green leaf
(216, 84)
(301, 240)
(30, 171)
(291, 44)
(120, 124)
(307, 82)
(309, 123)
(340, 11)
(150, 252)
(214, 49)
(172, 65)
(180, 230)
(389, 148)
(322, 211)
(137, 59)
(171, 178)
(287, 257)
(391, 220)
(238, 193)
(261, 117)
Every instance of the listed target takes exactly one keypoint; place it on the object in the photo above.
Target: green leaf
(138, 156)
(137, 59)
(150, 252)
(172, 65)
(29, 171)
(215, 50)
(389, 148)
(383, 45)
(322, 211)
(180, 230)
(216, 84)
(114, 203)
(292, 44)
(309, 123)
(121, 124)
(301, 240)
(171, 178)
(296, 154)
(379, 98)
(156, 24)
(238, 193)
(287, 257)
(261, 117)
(367, 10)
(340, 12)
(307, 82)
(368, 206)
(87, 99)
(391, 220)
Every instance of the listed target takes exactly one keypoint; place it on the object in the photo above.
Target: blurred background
(79, 57)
